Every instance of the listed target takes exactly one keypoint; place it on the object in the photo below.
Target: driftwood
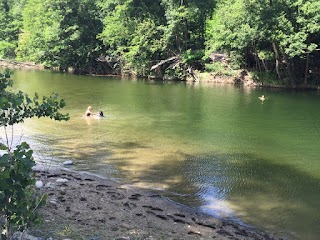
(192, 74)
(176, 62)
(164, 61)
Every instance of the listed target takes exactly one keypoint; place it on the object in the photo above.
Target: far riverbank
(240, 77)
(13, 64)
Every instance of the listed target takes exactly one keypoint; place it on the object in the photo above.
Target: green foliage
(290, 23)
(145, 45)
(220, 69)
(268, 79)
(10, 24)
(132, 36)
(61, 34)
(266, 55)
(230, 29)
(142, 33)
(190, 57)
(132, 33)
(6, 49)
(17, 202)
(267, 34)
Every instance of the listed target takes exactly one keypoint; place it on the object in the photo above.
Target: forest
(275, 40)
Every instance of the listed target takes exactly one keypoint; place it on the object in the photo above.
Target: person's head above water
(89, 111)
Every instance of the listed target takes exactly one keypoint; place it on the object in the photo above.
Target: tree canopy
(162, 37)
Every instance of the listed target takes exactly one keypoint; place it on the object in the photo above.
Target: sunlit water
(216, 148)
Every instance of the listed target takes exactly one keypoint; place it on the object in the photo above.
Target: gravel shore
(82, 206)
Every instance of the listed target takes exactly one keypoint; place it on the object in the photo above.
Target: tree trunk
(256, 58)
(2, 221)
(178, 42)
(277, 56)
(264, 65)
(291, 76)
(258, 65)
(307, 70)
(8, 230)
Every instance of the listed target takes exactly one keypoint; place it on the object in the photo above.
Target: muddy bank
(82, 206)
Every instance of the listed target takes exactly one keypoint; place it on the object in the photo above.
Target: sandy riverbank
(83, 206)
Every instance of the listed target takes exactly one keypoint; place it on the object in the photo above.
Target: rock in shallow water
(50, 185)
(40, 168)
(69, 162)
(39, 184)
(62, 180)
(26, 236)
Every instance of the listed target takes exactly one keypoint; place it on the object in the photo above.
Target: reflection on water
(213, 147)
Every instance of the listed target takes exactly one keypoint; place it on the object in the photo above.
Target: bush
(17, 202)
(7, 49)
(220, 69)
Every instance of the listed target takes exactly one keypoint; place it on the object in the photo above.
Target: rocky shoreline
(83, 206)
(13, 64)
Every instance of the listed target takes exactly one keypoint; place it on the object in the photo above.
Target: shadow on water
(274, 197)
(239, 187)
(271, 195)
(128, 145)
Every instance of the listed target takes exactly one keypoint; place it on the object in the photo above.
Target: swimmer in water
(262, 98)
(89, 112)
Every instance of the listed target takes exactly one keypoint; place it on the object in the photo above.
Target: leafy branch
(17, 202)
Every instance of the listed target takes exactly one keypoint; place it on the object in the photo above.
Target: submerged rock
(62, 180)
(24, 236)
(69, 162)
(40, 168)
(50, 185)
(39, 184)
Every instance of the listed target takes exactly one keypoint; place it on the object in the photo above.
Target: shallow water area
(213, 147)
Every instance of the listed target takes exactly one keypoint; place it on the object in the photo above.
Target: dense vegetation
(17, 200)
(277, 39)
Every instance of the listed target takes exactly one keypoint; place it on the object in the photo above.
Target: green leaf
(4, 160)
(3, 147)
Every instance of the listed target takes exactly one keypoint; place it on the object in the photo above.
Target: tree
(132, 33)
(17, 203)
(269, 35)
(141, 33)
(10, 24)
(61, 34)
(231, 30)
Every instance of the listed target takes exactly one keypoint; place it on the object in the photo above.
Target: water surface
(217, 148)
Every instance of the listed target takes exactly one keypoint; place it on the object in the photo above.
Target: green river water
(213, 147)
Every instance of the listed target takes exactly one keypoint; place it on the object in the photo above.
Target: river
(217, 148)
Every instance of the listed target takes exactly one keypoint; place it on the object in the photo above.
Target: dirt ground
(82, 206)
